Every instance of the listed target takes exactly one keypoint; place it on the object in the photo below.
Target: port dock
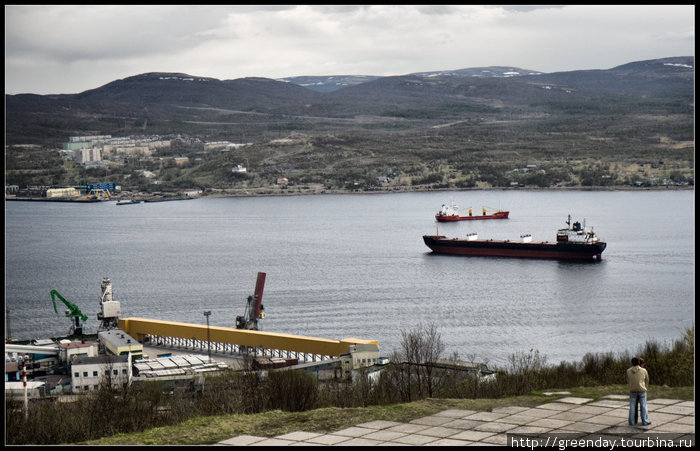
(239, 341)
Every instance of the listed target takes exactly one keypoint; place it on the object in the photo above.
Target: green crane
(72, 312)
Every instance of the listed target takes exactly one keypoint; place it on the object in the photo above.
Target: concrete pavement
(605, 418)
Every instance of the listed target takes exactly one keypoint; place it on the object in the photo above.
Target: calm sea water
(341, 266)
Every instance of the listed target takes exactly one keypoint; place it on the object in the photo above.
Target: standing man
(638, 381)
(636, 406)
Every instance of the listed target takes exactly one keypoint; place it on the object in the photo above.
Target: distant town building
(89, 138)
(71, 146)
(83, 142)
(217, 145)
(88, 155)
(130, 149)
(115, 145)
(148, 174)
(158, 144)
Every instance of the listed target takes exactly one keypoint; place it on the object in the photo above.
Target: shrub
(291, 390)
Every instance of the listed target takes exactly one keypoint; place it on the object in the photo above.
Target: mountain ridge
(329, 83)
(159, 89)
(579, 128)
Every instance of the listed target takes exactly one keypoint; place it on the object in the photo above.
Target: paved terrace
(606, 418)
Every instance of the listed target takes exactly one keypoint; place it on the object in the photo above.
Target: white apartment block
(88, 155)
(117, 145)
(128, 149)
(91, 138)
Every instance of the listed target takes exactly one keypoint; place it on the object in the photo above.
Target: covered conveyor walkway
(32, 349)
(226, 339)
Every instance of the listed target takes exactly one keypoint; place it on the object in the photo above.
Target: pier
(240, 341)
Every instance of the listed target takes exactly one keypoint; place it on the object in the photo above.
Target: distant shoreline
(272, 192)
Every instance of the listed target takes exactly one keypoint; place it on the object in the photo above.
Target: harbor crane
(97, 193)
(72, 312)
(254, 309)
(109, 308)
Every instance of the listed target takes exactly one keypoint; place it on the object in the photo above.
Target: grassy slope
(209, 430)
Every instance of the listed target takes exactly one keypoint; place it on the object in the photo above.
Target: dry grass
(213, 429)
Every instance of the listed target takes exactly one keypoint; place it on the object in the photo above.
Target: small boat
(450, 213)
(167, 198)
(572, 243)
(128, 202)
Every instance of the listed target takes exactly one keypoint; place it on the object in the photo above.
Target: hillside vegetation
(414, 384)
(632, 125)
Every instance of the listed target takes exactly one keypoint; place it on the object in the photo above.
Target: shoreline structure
(261, 192)
(275, 191)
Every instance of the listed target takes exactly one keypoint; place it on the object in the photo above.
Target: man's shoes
(646, 424)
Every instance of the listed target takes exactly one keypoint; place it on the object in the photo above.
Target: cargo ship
(450, 213)
(572, 243)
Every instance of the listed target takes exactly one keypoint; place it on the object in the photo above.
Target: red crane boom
(254, 308)
(257, 297)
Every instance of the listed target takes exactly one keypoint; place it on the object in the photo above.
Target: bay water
(342, 266)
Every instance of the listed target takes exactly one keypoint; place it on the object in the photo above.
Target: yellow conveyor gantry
(140, 328)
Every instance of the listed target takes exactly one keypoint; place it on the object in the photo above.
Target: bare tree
(421, 348)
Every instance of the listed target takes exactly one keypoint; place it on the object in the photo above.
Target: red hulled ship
(450, 213)
(572, 243)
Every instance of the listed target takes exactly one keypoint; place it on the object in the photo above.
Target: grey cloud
(55, 48)
(528, 8)
(99, 32)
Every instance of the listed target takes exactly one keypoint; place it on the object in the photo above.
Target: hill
(331, 83)
(454, 129)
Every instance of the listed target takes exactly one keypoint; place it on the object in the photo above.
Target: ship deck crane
(72, 312)
(254, 309)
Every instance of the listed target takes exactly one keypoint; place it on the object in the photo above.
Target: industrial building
(11, 371)
(89, 372)
(62, 192)
(15, 390)
(72, 350)
(117, 356)
(117, 342)
(174, 367)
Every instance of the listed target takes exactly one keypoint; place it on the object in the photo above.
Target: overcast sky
(58, 49)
